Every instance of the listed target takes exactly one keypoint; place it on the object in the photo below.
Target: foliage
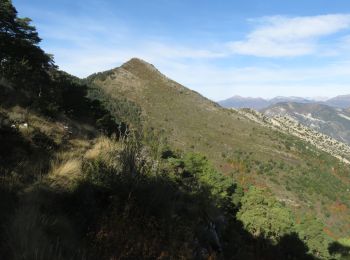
(222, 188)
(22, 62)
(263, 216)
(311, 231)
(121, 108)
(177, 211)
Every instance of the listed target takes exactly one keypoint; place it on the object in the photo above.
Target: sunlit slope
(188, 119)
(305, 178)
(331, 121)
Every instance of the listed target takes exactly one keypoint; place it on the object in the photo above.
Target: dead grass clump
(65, 174)
(105, 149)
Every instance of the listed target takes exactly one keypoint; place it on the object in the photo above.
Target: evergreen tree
(263, 216)
(23, 64)
(311, 232)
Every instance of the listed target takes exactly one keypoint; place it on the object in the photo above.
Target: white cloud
(280, 36)
(92, 46)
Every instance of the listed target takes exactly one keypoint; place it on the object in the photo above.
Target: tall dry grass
(65, 174)
(105, 149)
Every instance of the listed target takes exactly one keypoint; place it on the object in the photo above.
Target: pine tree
(22, 61)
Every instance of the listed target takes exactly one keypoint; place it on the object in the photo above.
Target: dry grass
(104, 148)
(19, 115)
(78, 147)
(66, 170)
(65, 174)
(69, 168)
(101, 145)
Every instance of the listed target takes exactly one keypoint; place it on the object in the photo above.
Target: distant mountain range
(260, 103)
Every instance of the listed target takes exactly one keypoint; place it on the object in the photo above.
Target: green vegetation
(296, 172)
(263, 216)
(129, 164)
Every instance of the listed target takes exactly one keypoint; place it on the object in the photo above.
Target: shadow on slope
(123, 208)
(337, 248)
(149, 218)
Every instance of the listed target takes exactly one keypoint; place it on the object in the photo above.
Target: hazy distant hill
(331, 121)
(260, 103)
(339, 101)
(251, 152)
(245, 102)
(290, 99)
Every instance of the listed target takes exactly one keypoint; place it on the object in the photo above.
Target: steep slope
(301, 175)
(190, 120)
(334, 122)
(287, 124)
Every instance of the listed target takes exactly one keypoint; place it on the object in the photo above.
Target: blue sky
(219, 48)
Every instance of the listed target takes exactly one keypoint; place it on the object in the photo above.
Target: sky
(219, 48)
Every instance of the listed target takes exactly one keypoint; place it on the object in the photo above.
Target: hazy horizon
(247, 48)
(315, 98)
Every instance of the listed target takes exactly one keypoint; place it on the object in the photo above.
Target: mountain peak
(138, 63)
(136, 60)
(143, 69)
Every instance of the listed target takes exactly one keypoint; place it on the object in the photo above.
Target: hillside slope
(304, 177)
(334, 122)
(287, 124)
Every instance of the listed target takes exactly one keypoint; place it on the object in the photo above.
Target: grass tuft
(65, 174)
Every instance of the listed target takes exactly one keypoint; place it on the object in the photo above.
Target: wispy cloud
(280, 36)
(90, 46)
(211, 68)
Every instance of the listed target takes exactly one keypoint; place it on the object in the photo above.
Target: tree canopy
(21, 58)
(263, 215)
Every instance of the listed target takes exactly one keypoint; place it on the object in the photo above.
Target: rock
(23, 126)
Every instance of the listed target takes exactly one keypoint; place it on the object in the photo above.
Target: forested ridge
(83, 175)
